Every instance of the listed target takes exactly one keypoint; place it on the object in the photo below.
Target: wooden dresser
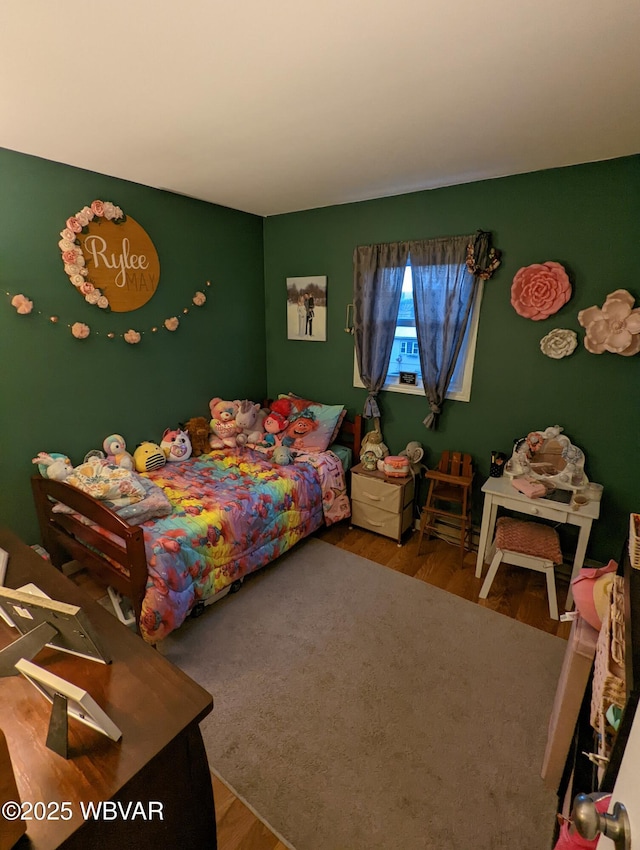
(381, 503)
(160, 759)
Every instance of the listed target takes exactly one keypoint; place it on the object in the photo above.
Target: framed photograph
(4, 560)
(80, 704)
(74, 633)
(307, 308)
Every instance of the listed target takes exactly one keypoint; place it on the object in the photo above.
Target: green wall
(587, 218)
(61, 394)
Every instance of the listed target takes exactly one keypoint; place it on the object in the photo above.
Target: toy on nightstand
(414, 452)
(396, 466)
(176, 444)
(116, 450)
(373, 447)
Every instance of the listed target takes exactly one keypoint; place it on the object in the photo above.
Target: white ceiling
(273, 106)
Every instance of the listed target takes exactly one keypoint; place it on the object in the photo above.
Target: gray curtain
(377, 288)
(443, 293)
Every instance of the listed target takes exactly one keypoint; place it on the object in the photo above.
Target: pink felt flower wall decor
(615, 327)
(540, 290)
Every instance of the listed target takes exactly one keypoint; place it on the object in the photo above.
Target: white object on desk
(80, 704)
(499, 492)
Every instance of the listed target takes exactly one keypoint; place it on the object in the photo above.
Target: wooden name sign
(122, 262)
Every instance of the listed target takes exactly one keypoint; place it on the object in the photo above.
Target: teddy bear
(198, 430)
(223, 423)
(249, 419)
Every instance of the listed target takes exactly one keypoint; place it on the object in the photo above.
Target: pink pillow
(528, 538)
(311, 425)
(591, 591)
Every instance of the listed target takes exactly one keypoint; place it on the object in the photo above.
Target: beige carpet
(357, 708)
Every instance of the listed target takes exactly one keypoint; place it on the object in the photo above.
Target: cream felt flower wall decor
(559, 343)
(614, 327)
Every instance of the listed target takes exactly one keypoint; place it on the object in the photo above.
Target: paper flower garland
(559, 343)
(540, 290)
(72, 256)
(615, 327)
(22, 304)
(80, 330)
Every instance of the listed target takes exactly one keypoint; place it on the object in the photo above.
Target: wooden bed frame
(66, 538)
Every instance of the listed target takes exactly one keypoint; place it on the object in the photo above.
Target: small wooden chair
(449, 484)
(526, 544)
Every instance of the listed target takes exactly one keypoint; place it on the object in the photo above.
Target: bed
(233, 511)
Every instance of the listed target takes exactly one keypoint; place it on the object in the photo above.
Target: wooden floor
(517, 593)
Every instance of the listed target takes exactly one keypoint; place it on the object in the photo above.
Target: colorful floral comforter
(233, 512)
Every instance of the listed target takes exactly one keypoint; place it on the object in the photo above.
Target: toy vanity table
(500, 492)
(551, 457)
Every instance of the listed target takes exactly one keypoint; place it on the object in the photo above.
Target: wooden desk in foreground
(159, 763)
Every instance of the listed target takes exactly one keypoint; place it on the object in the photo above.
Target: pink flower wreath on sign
(540, 290)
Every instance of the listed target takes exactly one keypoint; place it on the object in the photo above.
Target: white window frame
(464, 393)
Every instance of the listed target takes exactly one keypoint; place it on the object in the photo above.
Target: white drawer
(534, 507)
(381, 494)
(375, 519)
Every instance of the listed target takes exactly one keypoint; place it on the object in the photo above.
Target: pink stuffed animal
(176, 444)
(223, 423)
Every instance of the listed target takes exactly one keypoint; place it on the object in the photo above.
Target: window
(405, 355)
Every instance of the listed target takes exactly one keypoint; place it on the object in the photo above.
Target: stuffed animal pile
(233, 424)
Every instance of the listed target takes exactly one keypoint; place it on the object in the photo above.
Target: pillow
(336, 430)
(312, 426)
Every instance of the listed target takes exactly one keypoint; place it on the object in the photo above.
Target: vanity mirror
(550, 456)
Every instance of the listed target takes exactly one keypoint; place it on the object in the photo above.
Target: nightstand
(381, 503)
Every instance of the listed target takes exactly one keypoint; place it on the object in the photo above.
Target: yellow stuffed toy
(148, 456)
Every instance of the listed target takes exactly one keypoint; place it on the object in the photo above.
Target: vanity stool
(526, 544)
